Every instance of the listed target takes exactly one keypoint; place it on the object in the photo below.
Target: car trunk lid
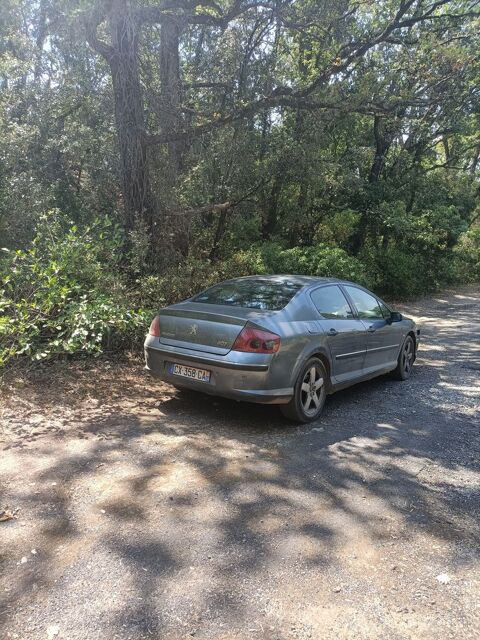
(208, 331)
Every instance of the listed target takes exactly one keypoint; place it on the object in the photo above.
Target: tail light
(256, 341)
(155, 327)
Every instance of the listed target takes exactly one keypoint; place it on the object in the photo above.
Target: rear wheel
(309, 393)
(405, 360)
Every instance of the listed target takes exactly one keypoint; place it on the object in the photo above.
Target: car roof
(286, 277)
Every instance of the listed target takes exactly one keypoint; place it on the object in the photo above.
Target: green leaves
(372, 175)
(64, 296)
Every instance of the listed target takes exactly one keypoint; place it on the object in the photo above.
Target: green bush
(412, 251)
(67, 294)
(64, 295)
(195, 274)
(155, 291)
(467, 256)
(319, 260)
(403, 272)
(338, 228)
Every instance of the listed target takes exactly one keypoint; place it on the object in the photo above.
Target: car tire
(309, 393)
(405, 361)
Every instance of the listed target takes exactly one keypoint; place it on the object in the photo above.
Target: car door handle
(332, 332)
(371, 329)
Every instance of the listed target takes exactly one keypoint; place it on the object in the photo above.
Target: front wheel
(309, 393)
(405, 361)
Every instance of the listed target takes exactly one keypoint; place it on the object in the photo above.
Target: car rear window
(251, 294)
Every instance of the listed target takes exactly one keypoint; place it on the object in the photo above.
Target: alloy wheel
(311, 390)
(407, 356)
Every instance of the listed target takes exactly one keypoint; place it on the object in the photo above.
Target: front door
(346, 336)
(384, 338)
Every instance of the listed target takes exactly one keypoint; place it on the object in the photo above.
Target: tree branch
(218, 208)
(224, 206)
(300, 98)
(207, 85)
(191, 15)
(91, 22)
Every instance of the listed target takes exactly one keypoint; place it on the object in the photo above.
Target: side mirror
(395, 316)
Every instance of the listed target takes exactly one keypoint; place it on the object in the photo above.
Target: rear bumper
(243, 381)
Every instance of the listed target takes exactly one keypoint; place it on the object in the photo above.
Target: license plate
(200, 375)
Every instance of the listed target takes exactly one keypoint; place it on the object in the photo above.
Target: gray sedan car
(283, 339)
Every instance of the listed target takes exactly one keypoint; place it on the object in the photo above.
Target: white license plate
(200, 375)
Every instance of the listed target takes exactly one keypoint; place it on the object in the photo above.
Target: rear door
(345, 334)
(383, 337)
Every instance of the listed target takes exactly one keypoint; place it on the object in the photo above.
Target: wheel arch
(313, 352)
(321, 356)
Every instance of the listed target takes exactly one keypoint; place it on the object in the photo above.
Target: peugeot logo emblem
(193, 329)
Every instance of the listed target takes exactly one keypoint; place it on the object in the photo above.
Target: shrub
(403, 272)
(64, 294)
(195, 274)
(338, 228)
(317, 260)
(155, 291)
(67, 294)
(466, 264)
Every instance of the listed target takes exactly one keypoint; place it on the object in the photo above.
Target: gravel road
(145, 513)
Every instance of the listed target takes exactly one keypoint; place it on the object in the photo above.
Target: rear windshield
(252, 294)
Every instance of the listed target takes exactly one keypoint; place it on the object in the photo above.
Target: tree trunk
(170, 85)
(383, 137)
(382, 145)
(271, 214)
(220, 230)
(129, 114)
(122, 56)
(297, 228)
(476, 158)
(417, 157)
(170, 103)
(41, 34)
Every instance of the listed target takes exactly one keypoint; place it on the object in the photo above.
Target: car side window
(368, 306)
(331, 303)
(385, 310)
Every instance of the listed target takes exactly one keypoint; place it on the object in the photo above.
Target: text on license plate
(201, 375)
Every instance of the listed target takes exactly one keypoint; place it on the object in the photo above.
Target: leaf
(8, 514)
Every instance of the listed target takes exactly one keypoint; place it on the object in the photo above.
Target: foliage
(345, 137)
(318, 260)
(467, 256)
(399, 273)
(63, 295)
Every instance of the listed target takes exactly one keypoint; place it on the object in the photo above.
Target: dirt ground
(146, 513)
